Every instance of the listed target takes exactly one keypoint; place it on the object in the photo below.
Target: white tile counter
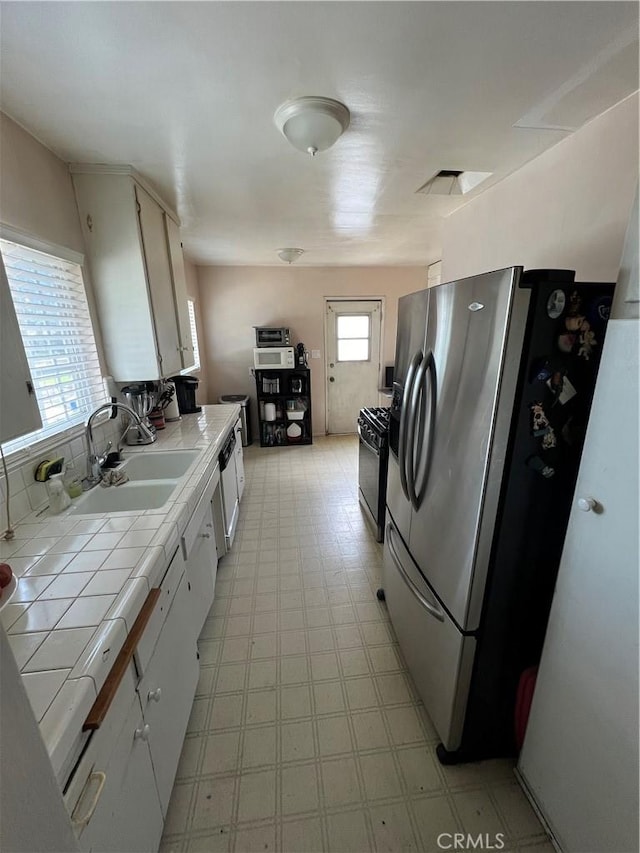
(82, 580)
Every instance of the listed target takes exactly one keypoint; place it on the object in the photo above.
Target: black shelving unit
(289, 393)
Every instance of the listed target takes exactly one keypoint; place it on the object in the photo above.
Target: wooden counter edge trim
(104, 698)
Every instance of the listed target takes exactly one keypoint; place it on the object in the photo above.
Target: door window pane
(353, 326)
(353, 349)
(353, 335)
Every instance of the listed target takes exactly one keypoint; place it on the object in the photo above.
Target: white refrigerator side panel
(580, 756)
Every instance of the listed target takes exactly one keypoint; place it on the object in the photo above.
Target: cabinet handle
(143, 733)
(155, 695)
(100, 778)
(208, 524)
(206, 535)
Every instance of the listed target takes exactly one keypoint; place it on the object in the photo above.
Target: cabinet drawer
(168, 587)
(101, 740)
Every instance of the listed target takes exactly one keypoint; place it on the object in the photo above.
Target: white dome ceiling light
(289, 256)
(312, 124)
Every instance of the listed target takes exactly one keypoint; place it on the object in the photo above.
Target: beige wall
(567, 209)
(193, 292)
(36, 193)
(234, 299)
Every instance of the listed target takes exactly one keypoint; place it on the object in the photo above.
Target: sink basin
(130, 496)
(159, 464)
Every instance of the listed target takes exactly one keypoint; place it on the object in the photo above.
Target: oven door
(369, 477)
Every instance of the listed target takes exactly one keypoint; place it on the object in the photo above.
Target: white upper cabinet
(137, 272)
(19, 413)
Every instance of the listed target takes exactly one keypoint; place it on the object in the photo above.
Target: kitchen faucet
(95, 460)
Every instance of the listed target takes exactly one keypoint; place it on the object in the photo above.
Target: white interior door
(353, 360)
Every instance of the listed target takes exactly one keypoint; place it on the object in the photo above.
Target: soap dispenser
(59, 500)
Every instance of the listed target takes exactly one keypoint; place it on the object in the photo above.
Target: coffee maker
(186, 387)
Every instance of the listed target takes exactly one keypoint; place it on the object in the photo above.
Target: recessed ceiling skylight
(453, 182)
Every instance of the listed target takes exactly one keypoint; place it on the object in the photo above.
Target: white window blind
(51, 306)
(194, 332)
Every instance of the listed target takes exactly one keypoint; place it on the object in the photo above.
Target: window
(191, 305)
(53, 315)
(353, 335)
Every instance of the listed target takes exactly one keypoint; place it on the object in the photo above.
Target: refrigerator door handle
(418, 494)
(431, 607)
(405, 415)
(415, 441)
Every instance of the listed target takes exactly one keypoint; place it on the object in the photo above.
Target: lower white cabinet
(112, 796)
(167, 690)
(200, 553)
(239, 459)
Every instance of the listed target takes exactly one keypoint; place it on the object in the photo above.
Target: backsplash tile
(27, 495)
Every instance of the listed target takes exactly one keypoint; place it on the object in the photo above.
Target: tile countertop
(82, 580)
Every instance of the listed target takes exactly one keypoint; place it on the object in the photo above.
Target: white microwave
(273, 358)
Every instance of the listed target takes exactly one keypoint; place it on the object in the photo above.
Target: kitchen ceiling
(185, 92)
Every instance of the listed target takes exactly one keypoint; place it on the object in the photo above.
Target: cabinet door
(159, 277)
(176, 260)
(127, 817)
(202, 563)
(19, 412)
(167, 691)
(239, 460)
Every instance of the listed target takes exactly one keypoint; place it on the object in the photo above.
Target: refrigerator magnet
(563, 394)
(556, 304)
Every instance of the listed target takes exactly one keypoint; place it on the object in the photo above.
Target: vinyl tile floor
(307, 733)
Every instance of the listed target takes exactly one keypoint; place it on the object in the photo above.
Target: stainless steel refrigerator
(494, 380)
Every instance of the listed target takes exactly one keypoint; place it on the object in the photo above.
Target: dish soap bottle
(72, 483)
(59, 500)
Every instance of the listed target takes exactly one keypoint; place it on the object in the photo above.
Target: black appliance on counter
(373, 457)
(186, 387)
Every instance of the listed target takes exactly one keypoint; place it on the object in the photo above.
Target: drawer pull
(155, 695)
(143, 733)
(100, 778)
(206, 535)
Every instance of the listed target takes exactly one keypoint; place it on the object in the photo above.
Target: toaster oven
(272, 337)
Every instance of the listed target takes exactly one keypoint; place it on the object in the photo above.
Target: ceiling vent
(453, 182)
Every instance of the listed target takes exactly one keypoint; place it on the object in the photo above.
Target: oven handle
(367, 444)
(404, 416)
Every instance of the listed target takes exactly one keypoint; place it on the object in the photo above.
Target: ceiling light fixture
(290, 255)
(312, 124)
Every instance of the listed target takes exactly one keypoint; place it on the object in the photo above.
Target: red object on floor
(524, 696)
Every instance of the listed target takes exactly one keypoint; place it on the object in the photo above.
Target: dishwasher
(229, 482)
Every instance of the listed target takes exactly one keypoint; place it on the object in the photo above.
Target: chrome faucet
(95, 460)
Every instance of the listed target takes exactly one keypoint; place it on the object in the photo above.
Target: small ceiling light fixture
(289, 256)
(312, 124)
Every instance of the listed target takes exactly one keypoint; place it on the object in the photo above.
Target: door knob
(331, 379)
(143, 733)
(587, 504)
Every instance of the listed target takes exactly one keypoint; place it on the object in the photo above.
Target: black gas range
(373, 457)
